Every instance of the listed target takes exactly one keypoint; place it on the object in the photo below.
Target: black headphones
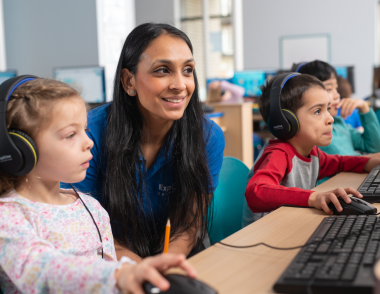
(18, 152)
(297, 66)
(282, 123)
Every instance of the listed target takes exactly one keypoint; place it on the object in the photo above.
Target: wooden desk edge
(255, 270)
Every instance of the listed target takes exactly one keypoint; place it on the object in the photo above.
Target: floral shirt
(48, 248)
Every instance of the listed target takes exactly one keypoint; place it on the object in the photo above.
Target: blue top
(353, 119)
(160, 178)
(214, 114)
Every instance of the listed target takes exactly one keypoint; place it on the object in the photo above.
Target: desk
(255, 270)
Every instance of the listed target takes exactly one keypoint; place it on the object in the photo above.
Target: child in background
(49, 243)
(346, 140)
(345, 91)
(286, 171)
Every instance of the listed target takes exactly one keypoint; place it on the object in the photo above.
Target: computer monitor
(89, 80)
(251, 80)
(5, 75)
(347, 72)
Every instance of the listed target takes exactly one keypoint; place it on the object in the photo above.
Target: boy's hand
(320, 200)
(371, 163)
(348, 105)
(130, 278)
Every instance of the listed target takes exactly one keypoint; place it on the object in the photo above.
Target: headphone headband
(278, 121)
(297, 66)
(12, 160)
(8, 87)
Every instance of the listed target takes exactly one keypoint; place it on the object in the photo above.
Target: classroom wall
(42, 34)
(352, 25)
(155, 11)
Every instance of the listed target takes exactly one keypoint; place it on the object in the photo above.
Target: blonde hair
(29, 110)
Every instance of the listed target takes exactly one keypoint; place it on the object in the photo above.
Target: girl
(155, 155)
(53, 240)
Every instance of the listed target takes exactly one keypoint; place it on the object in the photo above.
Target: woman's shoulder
(214, 138)
(211, 130)
(97, 123)
(99, 114)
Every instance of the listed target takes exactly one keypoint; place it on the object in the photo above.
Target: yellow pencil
(167, 237)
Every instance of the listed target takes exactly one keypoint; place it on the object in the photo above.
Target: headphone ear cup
(28, 150)
(293, 122)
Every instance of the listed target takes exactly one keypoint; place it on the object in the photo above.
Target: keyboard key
(324, 247)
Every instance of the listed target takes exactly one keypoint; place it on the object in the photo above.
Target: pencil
(167, 237)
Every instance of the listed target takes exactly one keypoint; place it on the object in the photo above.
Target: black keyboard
(340, 258)
(370, 188)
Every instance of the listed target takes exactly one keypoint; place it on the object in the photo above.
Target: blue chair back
(228, 199)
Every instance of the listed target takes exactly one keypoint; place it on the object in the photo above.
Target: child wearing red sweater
(286, 171)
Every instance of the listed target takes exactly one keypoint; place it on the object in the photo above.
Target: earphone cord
(100, 236)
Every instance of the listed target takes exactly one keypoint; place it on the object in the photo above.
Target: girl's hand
(130, 278)
(321, 200)
(348, 105)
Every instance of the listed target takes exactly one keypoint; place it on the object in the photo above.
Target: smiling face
(63, 146)
(164, 80)
(331, 86)
(315, 120)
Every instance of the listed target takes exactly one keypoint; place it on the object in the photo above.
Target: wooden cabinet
(237, 126)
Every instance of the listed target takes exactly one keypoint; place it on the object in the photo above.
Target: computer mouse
(356, 207)
(180, 284)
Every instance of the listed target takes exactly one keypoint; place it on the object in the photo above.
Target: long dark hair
(123, 186)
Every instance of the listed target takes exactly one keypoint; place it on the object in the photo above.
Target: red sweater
(283, 176)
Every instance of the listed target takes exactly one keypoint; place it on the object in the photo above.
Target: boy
(286, 171)
(346, 140)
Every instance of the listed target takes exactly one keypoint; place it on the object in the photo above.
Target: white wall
(115, 20)
(42, 34)
(352, 25)
(3, 60)
(155, 11)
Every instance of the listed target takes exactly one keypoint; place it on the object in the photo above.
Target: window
(216, 58)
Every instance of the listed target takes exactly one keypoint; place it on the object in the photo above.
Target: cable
(100, 236)
(365, 229)
(295, 247)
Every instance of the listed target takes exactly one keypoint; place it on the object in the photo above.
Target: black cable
(100, 236)
(295, 247)
(366, 229)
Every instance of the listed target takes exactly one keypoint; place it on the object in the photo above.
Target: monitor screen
(252, 80)
(5, 75)
(347, 72)
(88, 80)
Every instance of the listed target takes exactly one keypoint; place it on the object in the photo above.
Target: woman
(155, 156)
